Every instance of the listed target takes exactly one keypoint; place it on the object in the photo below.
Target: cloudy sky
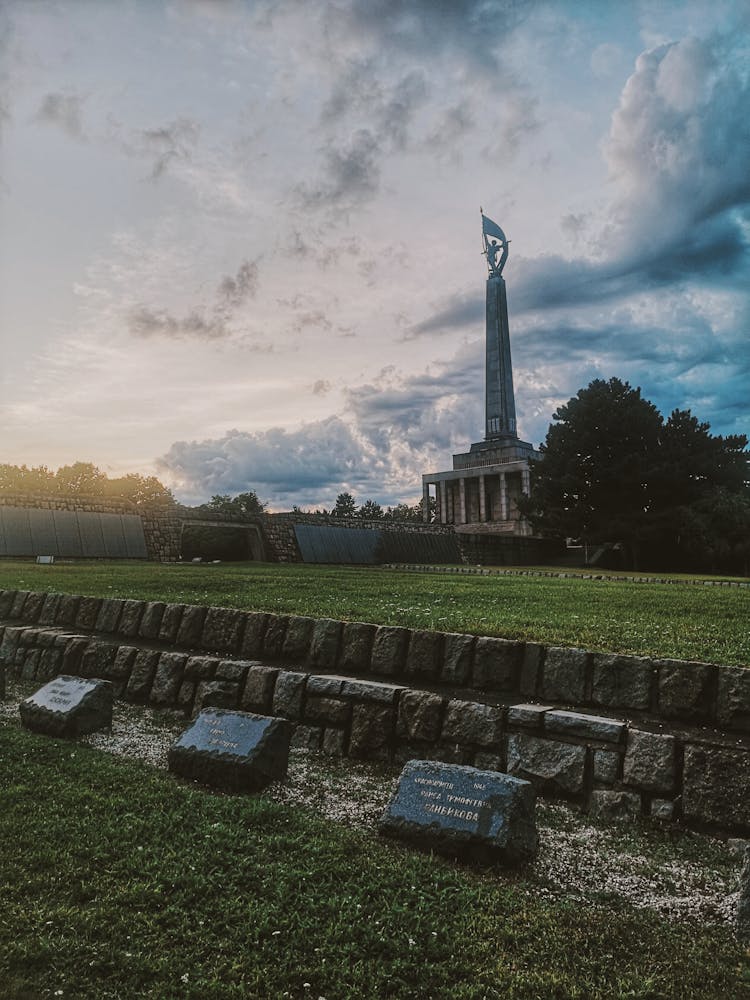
(240, 240)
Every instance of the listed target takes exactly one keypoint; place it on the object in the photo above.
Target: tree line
(345, 506)
(83, 479)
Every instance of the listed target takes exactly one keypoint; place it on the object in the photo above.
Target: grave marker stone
(453, 809)
(68, 706)
(233, 750)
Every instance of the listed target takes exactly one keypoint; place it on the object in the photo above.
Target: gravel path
(681, 875)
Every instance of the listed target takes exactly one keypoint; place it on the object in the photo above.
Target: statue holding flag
(494, 243)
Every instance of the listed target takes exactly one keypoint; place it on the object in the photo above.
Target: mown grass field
(119, 882)
(687, 622)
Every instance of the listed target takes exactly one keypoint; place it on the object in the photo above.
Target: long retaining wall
(666, 738)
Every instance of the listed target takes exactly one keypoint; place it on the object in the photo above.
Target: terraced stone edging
(672, 744)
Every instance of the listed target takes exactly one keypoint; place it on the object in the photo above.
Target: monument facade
(481, 492)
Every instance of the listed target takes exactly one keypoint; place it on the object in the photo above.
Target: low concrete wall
(666, 738)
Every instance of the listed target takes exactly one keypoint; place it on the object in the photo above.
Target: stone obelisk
(500, 404)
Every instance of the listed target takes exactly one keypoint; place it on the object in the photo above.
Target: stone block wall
(665, 738)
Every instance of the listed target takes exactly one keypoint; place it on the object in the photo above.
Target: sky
(240, 241)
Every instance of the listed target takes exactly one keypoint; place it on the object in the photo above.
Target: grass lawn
(686, 622)
(119, 882)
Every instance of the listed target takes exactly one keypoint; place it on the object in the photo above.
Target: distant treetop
(83, 479)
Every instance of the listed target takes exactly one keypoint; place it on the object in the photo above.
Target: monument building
(481, 492)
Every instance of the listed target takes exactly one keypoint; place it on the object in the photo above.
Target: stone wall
(666, 738)
(282, 544)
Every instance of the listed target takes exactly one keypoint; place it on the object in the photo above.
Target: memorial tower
(481, 491)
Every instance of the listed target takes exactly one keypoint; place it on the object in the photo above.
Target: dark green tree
(243, 503)
(371, 510)
(345, 506)
(613, 470)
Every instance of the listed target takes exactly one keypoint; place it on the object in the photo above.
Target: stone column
(462, 501)
(482, 500)
(503, 498)
(443, 502)
(525, 481)
(425, 502)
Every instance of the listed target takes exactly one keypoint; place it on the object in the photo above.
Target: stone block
(306, 737)
(50, 664)
(9, 643)
(329, 686)
(98, 658)
(7, 597)
(374, 691)
(257, 695)
(621, 681)
(662, 810)
(119, 672)
(32, 607)
(587, 727)
(716, 787)
(167, 679)
(109, 616)
(298, 639)
(463, 811)
(334, 742)
(200, 668)
(222, 630)
(488, 761)
(29, 664)
(685, 689)
(16, 608)
(389, 649)
(67, 610)
(356, 647)
(275, 633)
(252, 638)
(324, 644)
(215, 694)
(424, 656)
(49, 609)
(232, 670)
(419, 716)
(186, 697)
(190, 632)
(170, 622)
(73, 654)
(650, 761)
(68, 706)
(528, 716)
(497, 664)
(606, 767)
(733, 699)
(371, 731)
(232, 750)
(457, 658)
(550, 765)
(329, 710)
(130, 618)
(610, 804)
(472, 723)
(564, 677)
(88, 612)
(288, 694)
(153, 613)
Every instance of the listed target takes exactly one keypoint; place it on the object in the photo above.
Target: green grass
(650, 619)
(119, 882)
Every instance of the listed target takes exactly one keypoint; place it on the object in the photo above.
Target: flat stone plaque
(233, 750)
(68, 706)
(481, 815)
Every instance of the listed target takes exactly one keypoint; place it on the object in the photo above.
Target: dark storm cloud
(351, 173)
(167, 144)
(64, 111)
(234, 290)
(320, 456)
(472, 29)
(147, 323)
